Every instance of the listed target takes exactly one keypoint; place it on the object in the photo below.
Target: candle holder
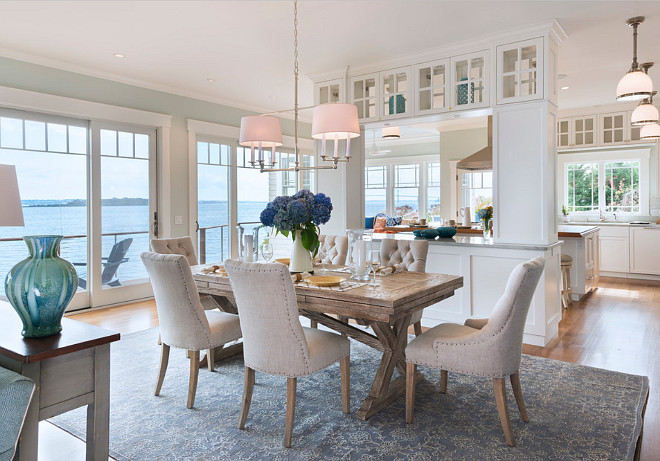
(359, 253)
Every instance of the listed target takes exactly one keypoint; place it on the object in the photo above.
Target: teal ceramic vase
(41, 286)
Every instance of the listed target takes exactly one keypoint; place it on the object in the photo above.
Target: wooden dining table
(385, 308)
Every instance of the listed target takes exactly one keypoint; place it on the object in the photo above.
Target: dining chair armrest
(476, 323)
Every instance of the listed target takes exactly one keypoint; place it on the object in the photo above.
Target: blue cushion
(15, 395)
(369, 223)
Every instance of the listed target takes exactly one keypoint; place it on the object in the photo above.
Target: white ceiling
(247, 46)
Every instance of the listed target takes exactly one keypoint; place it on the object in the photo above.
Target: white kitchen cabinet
(645, 250)
(577, 131)
(432, 87)
(470, 80)
(613, 129)
(330, 91)
(520, 71)
(364, 94)
(395, 93)
(614, 249)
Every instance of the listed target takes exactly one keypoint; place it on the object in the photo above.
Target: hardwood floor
(617, 328)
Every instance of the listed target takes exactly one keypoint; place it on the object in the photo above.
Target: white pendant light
(635, 85)
(391, 132)
(645, 113)
(650, 132)
(335, 122)
(332, 121)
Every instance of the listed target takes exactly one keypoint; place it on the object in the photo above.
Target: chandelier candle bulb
(348, 147)
(336, 153)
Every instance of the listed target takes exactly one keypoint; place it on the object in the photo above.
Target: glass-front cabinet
(396, 87)
(364, 94)
(432, 86)
(330, 91)
(520, 71)
(613, 128)
(564, 132)
(584, 131)
(470, 80)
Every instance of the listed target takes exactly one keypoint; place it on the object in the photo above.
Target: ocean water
(133, 221)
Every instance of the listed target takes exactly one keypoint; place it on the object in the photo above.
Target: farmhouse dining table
(386, 308)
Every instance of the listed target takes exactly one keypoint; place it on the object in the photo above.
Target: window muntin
(582, 186)
(621, 185)
(406, 190)
(433, 189)
(375, 194)
(477, 191)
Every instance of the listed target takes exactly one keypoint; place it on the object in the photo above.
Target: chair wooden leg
(345, 371)
(164, 360)
(417, 326)
(313, 324)
(517, 392)
(210, 359)
(290, 409)
(194, 372)
(503, 408)
(248, 386)
(444, 377)
(411, 370)
(159, 340)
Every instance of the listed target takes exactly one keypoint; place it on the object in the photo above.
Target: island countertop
(564, 231)
(464, 240)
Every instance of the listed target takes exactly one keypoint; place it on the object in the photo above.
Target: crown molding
(90, 72)
(546, 28)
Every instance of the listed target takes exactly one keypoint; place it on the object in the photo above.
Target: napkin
(299, 277)
(214, 269)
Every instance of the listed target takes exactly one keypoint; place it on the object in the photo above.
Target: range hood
(481, 159)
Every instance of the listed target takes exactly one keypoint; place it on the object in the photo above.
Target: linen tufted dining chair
(482, 347)
(274, 342)
(183, 246)
(408, 255)
(184, 324)
(334, 248)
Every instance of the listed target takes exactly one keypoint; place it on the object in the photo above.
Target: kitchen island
(582, 244)
(485, 267)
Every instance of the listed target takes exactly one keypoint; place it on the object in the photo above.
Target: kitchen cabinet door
(432, 87)
(613, 128)
(395, 87)
(470, 80)
(364, 94)
(330, 91)
(613, 253)
(520, 71)
(563, 133)
(584, 131)
(645, 250)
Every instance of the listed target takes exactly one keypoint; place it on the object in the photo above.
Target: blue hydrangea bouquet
(299, 215)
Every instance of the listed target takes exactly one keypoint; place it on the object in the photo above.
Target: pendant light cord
(295, 75)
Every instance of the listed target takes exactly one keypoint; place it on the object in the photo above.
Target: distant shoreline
(126, 201)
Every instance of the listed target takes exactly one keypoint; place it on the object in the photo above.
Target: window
(375, 194)
(582, 184)
(433, 189)
(406, 190)
(477, 191)
(611, 181)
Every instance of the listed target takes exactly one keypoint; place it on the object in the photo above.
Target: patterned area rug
(576, 412)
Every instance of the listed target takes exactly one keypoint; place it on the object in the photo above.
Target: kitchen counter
(463, 240)
(576, 231)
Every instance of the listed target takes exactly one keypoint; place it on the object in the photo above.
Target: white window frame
(423, 164)
(641, 154)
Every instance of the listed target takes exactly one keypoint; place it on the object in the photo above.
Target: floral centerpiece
(485, 214)
(299, 215)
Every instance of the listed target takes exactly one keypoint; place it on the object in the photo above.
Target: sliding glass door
(94, 184)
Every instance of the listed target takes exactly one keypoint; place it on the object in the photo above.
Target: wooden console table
(70, 369)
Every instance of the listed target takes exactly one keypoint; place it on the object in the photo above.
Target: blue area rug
(576, 412)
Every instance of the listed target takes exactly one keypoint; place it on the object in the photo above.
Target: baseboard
(625, 275)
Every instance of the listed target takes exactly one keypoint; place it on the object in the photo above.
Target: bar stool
(566, 265)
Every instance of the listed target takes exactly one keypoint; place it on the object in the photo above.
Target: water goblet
(322, 255)
(374, 265)
(267, 251)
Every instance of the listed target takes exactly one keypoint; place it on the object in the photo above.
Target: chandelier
(330, 122)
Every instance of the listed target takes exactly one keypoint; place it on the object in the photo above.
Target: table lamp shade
(11, 212)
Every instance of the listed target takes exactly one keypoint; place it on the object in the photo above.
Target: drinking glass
(267, 251)
(374, 266)
(323, 252)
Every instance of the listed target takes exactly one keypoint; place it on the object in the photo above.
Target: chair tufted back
(407, 255)
(176, 246)
(335, 249)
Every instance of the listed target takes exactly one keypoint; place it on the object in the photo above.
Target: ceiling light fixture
(565, 87)
(118, 55)
(331, 121)
(645, 113)
(391, 132)
(374, 150)
(210, 80)
(650, 132)
(635, 85)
